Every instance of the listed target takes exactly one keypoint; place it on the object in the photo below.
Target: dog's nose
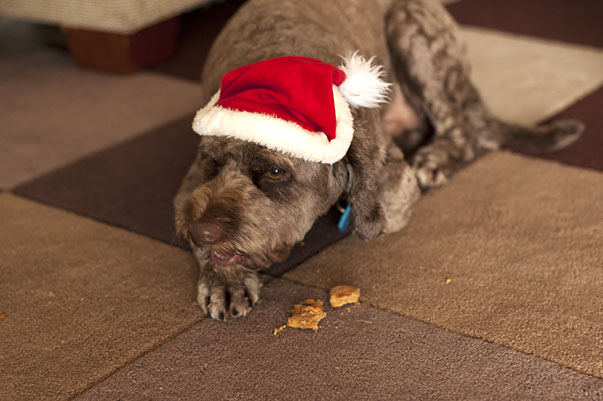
(207, 232)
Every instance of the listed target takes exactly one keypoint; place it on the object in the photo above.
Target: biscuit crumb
(306, 315)
(343, 295)
(448, 280)
(279, 329)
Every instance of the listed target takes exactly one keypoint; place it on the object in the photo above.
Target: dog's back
(263, 29)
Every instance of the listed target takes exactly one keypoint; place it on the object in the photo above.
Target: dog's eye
(276, 174)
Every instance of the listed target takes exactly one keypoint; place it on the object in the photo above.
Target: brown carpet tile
(510, 252)
(576, 21)
(79, 299)
(53, 113)
(131, 185)
(358, 353)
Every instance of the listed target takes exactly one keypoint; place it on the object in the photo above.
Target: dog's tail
(492, 132)
(543, 138)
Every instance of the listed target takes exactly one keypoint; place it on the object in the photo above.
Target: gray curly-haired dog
(243, 206)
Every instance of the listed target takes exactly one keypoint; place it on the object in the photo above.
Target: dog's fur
(240, 216)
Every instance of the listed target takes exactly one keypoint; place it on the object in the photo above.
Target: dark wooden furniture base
(124, 53)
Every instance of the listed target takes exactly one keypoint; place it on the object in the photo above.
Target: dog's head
(254, 204)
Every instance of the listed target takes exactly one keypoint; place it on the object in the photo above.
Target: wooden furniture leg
(124, 53)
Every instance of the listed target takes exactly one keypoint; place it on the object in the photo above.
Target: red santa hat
(296, 105)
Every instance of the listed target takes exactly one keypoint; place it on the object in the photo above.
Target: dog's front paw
(221, 297)
(431, 167)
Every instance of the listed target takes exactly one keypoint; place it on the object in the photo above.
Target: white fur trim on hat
(363, 86)
(277, 134)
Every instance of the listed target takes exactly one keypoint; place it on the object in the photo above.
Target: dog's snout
(207, 232)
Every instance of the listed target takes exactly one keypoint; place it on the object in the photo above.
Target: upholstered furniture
(112, 35)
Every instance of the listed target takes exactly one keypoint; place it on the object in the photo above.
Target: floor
(493, 291)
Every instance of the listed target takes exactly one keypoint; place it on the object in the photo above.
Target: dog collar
(346, 212)
(346, 217)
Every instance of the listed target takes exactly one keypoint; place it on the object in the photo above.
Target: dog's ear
(365, 160)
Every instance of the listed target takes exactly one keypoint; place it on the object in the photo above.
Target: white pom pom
(363, 86)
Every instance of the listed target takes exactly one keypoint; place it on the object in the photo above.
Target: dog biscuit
(343, 295)
(306, 315)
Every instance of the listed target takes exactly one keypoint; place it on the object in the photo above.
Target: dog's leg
(432, 68)
(398, 190)
(220, 296)
(430, 64)
(381, 187)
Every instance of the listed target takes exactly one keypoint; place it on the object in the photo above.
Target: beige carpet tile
(79, 299)
(510, 251)
(526, 79)
(358, 353)
(53, 113)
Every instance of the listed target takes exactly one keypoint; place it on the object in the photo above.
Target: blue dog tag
(344, 220)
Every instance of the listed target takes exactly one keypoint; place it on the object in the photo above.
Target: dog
(242, 205)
